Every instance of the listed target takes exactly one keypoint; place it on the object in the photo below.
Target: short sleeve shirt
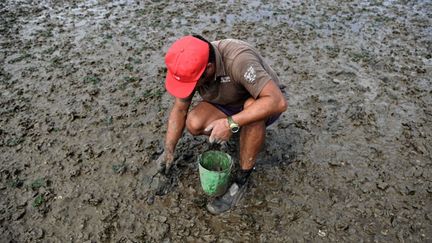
(241, 73)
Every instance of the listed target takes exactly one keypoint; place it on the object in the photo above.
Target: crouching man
(240, 94)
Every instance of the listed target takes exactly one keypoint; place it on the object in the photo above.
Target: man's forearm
(259, 110)
(176, 124)
(270, 102)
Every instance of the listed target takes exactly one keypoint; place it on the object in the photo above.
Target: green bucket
(214, 169)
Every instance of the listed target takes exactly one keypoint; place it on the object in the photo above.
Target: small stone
(275, 200)
(335, 163)
(208, 238)
(162, 219)
(175, 210)
(337, 81)
(341, 226)
(91, 199)
(150, 199)
(95, 201)
(37, 233)
(93, 91)
(119, 168)
(258, 202)
(322, 233)
(75, 172)
(133, 170)
(382, 185)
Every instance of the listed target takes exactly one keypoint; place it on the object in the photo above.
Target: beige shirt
(240, 73)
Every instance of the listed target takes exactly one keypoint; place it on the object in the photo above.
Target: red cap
(186, 61)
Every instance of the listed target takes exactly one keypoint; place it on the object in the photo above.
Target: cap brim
(179, 89)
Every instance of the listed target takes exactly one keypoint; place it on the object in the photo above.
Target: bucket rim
(223, 171)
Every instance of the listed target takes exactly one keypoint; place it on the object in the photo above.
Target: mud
(83, 112)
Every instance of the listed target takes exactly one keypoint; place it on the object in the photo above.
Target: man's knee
(194, 124)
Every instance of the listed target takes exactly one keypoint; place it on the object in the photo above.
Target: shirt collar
(220, 68)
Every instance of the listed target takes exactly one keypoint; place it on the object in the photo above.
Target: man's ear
(211, 68)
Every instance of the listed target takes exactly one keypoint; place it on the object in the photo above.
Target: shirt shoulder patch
(250, 75)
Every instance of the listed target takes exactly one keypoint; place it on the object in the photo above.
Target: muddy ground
(83, 112)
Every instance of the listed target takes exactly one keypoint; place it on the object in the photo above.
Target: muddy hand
(219, 131)
(165, 162)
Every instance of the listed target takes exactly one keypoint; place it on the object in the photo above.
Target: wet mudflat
(83, 110)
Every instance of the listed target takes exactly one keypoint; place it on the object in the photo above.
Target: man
(240, 93)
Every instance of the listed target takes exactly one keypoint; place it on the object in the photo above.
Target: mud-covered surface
(83, 110)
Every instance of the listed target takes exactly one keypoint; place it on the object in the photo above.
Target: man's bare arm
(270, 102)
(176, 123)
